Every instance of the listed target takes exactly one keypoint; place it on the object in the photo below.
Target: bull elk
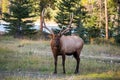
(65, 45)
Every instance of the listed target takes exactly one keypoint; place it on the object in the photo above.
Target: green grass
(19, 58)
(101, 50)
(95, 76)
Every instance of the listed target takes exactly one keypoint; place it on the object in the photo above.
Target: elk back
(70, 44)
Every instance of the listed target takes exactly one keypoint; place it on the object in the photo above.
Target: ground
(33, 60)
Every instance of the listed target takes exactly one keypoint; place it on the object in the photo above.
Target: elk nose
(57, 43)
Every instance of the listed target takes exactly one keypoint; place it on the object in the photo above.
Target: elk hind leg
(63, 63)
(76, 56)
(55, 63)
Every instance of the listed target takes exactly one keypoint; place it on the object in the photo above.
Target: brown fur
(66, 45)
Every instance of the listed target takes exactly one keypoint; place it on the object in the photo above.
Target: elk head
(55, 38)
(52, 34)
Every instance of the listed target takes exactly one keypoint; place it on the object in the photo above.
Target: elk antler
(43, 21)
(69, 26)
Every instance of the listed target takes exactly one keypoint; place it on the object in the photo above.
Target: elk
(65, 45)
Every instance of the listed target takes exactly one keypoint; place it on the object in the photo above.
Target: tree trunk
(100, 4)
(118, 16)
(19, 31)
(1, 9)
(91, 40)
(106, 20)
(41, 23)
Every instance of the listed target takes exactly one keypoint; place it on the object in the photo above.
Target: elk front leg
(77, 67)
(55, 63)
(63, 63)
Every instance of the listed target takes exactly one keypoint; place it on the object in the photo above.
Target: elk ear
(59, 34)
(51, 36)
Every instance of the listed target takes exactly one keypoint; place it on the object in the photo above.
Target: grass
(95, 76)
(33, 60)
(101, 50)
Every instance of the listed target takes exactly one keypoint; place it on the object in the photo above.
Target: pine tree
(40, 5)
(19, 19)
(66, 7)
(117, 37)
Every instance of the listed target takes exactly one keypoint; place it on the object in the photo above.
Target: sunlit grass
(110, 75)
(101, 50)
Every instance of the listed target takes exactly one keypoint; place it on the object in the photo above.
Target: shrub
(103, 41)
(117, 38)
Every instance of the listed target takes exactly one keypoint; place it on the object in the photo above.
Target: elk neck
(56, 43)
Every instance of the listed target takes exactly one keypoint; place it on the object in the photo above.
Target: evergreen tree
(40, 5)
(96, 10)
(117, 37)
(66, 7)
(19, 19)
